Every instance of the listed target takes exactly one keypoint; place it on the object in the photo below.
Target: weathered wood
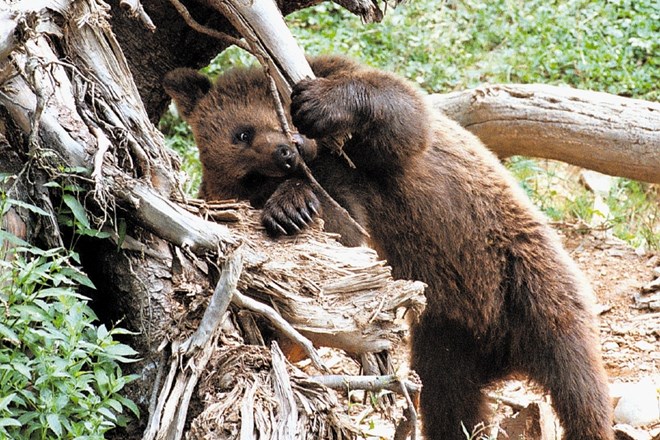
(190, 359)
(611, 134)
(93, 119)
(271, 41)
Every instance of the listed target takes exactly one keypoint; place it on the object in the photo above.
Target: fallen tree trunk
(610, 134)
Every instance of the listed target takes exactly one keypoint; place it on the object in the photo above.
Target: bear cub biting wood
(503, 297)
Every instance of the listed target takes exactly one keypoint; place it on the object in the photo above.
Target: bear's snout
(286, 157)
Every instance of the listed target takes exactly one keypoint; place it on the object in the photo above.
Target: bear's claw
(290, 209)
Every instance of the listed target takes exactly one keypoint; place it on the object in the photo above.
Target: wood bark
(610, 134)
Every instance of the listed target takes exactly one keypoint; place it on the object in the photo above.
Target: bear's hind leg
(451, 396)
(569, 367)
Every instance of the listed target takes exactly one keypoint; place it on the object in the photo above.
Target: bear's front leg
(323, 107)
(383, 118)
(290, 209)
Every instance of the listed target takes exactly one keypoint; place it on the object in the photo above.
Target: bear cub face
(238, 134)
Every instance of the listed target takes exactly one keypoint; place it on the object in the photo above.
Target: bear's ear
(186, 87)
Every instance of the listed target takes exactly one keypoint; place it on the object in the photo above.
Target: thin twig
(367, 383)
(279, 108)
(281, 324)
(225, 38)
(410, 422)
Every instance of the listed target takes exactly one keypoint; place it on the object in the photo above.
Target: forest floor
(630, 336)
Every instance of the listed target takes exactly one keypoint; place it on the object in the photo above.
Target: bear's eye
(243, 135)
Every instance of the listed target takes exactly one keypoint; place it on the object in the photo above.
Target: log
(334, 296)
(607, 133)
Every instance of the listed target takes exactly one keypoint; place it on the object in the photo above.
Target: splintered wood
(239, 403)
(336, 296)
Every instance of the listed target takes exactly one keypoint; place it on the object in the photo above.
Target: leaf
(102, 332)
(11, 238)
(107, 414)
(5, 401)
(10, 422)
(115, 405)
(121, 231)
(94, 233)
(54, 424)
(130, 405)
(78, 277)
(120, 352)
(77, 209)
(28, 206)
(9, 334)
(59, 292)
(23, 369)
(101, 377)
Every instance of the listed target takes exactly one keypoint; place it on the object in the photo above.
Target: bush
(60, 372)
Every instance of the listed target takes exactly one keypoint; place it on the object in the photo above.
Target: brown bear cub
(503, 296)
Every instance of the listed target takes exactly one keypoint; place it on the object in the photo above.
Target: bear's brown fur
(503, 296)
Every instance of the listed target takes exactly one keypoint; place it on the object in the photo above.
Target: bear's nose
(286, 156)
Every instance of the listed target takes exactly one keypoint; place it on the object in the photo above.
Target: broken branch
(603, 132)
(280, 324)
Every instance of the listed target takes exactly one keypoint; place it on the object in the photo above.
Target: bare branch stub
(367, 10)
(135, 8)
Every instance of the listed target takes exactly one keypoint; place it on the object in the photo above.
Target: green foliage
(59, 371)
(634, 212)
(609, 46)
(179, 138)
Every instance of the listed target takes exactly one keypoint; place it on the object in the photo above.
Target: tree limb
(611, 134)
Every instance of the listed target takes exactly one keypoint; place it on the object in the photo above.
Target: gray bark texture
(610, 134)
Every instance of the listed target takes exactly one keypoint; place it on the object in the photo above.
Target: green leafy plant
(178, 137)
(60, 373)
(633, 208)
